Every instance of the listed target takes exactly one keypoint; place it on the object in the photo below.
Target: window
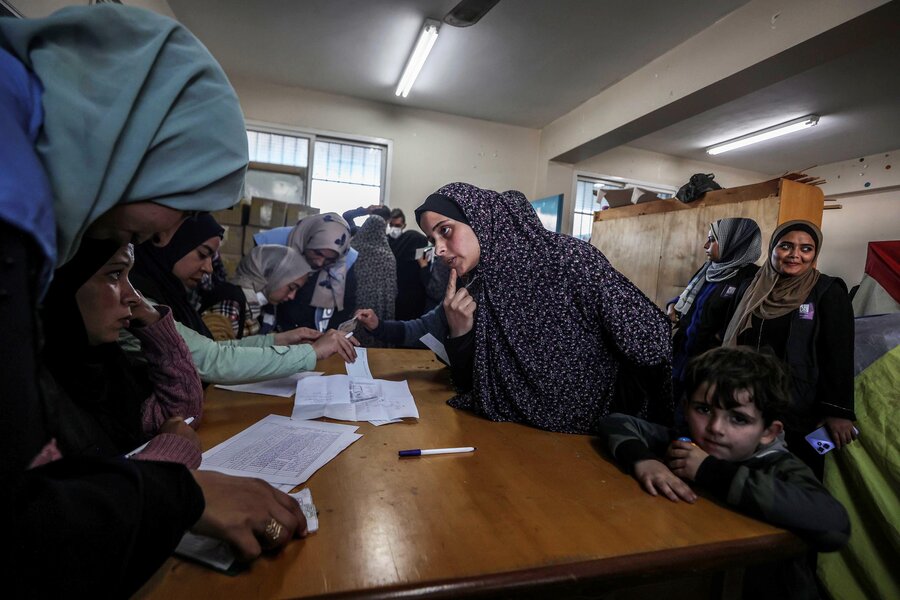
(589, 198)
(345, 174)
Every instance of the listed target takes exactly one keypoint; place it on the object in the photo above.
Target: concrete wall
(430, 149)
(868, 190)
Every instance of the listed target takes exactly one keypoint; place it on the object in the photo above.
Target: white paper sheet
(435, 346)
(219, 555)
(284, 387)
(280, 450)
(353, 399)
(360, 368)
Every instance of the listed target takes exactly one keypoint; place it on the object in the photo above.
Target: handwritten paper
(347, 398)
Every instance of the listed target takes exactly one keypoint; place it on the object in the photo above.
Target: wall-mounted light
(427, 37)
(765, 134)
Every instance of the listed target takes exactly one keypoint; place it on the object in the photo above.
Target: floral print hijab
(327, 231)
(556, 324)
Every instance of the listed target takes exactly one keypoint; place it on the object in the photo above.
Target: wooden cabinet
(659, 245)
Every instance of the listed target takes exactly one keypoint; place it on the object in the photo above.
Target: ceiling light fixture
(427, 38)
(765, 134)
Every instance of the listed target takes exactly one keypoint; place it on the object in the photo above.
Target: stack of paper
(279, 450)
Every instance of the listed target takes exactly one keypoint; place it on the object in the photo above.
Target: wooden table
(529, 511)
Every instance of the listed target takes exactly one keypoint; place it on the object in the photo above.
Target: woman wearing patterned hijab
(732, 247)
(376, 273)
(324, 240)
(166, 275)
(806, 319)
(270, 274)
(547, 331)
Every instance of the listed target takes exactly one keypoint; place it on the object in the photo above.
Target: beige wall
(430, 149)
(847, 232)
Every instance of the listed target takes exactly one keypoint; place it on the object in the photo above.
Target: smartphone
(821, 441)
(424, 252)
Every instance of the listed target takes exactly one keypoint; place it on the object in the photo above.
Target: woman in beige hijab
(806, 319)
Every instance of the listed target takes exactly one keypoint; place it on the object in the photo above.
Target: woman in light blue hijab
(114, 122)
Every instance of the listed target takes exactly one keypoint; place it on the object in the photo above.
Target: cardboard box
(267, 213)
(230, 216)
(249, 232)
(233, 240)
(295, 212)
(231, 262)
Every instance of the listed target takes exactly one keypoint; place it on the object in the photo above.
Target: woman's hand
(459, 307)
(300, 335)
(144, 313)
(684, 459)
(241, 512)
(368, 318)
(656, 479)
(841, 431)
(333, 341)
(177, 426)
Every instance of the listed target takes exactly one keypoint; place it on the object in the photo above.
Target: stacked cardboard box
(242, 221)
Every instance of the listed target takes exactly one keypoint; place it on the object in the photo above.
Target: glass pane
(348, 163)
(332, 196)
(284, 187)
(278, 149)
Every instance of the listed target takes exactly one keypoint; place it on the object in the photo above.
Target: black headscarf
(152, 274)
(556, 325)
(94, 408)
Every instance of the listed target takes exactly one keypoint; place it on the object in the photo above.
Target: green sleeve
(251, 341)
(227, 363)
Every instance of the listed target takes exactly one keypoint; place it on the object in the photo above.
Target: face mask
(394, 232)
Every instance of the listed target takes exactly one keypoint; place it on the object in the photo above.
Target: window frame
(622, 182)
(314, 135)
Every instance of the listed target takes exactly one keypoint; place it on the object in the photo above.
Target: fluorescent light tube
(765, 134)
(427, 38)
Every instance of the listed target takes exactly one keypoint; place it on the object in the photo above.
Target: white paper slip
(280, 450)
(435, 346)
(360, 368)
(284, 387)
(353, 399)
(304, 498)
(219, 555)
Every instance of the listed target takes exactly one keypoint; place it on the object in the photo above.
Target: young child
(734, 404)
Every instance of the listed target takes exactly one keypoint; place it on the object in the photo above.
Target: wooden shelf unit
(659, 245)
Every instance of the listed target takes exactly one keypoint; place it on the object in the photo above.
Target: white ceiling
(528, 62)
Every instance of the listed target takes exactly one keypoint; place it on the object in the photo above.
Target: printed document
(280, 450)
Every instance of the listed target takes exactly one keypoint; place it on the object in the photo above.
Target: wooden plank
(765, 189)
(683, 237)
(633, 246)
(799, 201)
